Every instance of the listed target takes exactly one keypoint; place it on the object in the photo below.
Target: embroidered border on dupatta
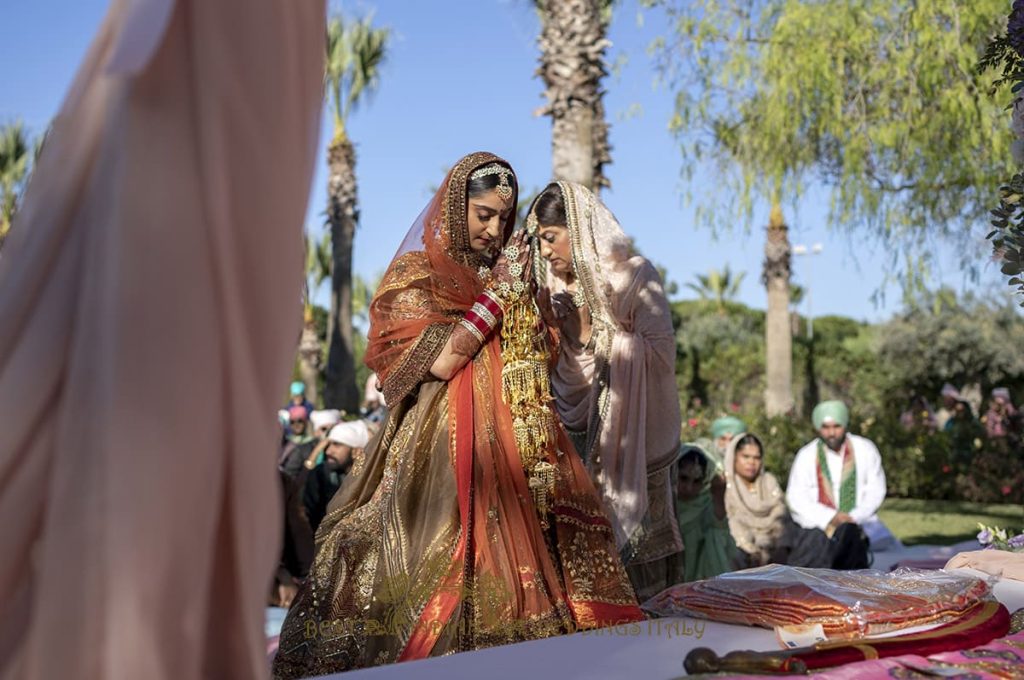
(416, 363)
(603, 329)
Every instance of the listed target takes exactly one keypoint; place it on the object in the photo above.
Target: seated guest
(1003, 420)
(918, 416)
(836, 485)
(299, 443)
(297, 397)
(723, 431)
(708, 548)
(345, 444)
(963, 430)
(758, 517)
(756, 507)
(323, 421)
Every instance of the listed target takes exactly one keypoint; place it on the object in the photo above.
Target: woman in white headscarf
(614, 383)
(156, 260)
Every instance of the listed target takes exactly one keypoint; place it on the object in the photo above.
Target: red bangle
(490, 300)
(471, 327)
(478, 322)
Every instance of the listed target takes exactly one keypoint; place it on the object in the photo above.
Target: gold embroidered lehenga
(437, 546)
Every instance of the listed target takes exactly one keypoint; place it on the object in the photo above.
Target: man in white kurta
(815, 508)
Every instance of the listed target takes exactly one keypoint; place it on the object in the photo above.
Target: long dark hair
(549, 206)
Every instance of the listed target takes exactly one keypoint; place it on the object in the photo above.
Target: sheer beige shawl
(621, 390)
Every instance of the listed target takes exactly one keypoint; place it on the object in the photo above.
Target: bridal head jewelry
(531, 224)
(504, 188)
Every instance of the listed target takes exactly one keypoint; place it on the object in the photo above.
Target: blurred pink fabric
(150, 306)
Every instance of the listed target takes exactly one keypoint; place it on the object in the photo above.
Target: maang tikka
(504, 188)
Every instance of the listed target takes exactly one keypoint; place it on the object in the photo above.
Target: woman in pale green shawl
(700, 509)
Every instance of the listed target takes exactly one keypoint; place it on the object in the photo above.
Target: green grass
(945, 522)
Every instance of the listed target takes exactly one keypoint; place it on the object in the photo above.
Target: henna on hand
(464, 343)
(502, 269)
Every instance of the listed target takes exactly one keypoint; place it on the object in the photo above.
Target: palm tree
(718, 286)
(572, 63)
(318, 270)
(355, 53)
(362, 295)
(778, 333)
(15, 156)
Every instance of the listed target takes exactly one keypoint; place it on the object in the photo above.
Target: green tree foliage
(720, 355)
(876, 369)
(877, 101)
(355, 53)
(318, 264)
(15, 158)
(718, 286)
(1005, 54)
(970, 342)
(363, 291)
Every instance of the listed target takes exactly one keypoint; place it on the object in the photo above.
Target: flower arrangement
(995, 538)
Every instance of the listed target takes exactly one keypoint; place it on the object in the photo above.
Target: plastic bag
(846, 604)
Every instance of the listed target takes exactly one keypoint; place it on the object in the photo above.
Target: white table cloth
(651, 650)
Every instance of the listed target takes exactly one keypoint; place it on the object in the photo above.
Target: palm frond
(355, 52)
(15, 157)
(14, 154)
(318, 260)
(369, 48)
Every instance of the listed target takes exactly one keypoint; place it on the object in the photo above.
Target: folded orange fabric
(847, 604)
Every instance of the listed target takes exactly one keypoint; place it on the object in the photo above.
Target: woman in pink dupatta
(150, 298)
(614, 382)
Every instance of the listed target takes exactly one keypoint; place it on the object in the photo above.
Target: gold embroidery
(415, 364)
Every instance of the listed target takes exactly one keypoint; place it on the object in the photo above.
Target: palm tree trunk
(572, 45)
(310, 357)
(778, 334)
(340, 390)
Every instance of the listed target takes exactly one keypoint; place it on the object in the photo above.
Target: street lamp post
(814, 250)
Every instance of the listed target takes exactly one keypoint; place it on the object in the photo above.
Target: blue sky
(460, 78)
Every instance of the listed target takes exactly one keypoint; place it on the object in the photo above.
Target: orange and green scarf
(847, 484)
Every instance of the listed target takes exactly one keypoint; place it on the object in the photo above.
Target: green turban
(730, 425)
(835, 411)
